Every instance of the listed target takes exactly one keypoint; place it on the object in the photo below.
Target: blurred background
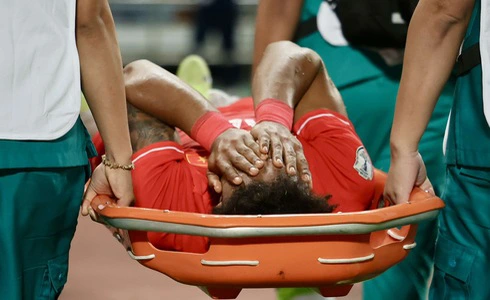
(165, 32)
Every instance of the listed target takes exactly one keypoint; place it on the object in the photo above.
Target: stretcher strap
(468, 59)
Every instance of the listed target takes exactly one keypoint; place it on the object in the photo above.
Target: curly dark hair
(284, 195)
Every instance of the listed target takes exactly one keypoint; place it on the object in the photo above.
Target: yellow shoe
(194, 71)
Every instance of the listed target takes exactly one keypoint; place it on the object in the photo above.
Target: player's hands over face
(233, 150)
(406, 171)
(116, 183)
(285, 149)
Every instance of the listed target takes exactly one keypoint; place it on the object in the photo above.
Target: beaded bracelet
(114, 165)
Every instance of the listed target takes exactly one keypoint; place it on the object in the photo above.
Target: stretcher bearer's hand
(116, 183)
(406, 171)
(277, 140)
(233, 150)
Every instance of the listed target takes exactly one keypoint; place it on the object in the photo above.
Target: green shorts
(38, 217)
(41, 189)
(462, 260)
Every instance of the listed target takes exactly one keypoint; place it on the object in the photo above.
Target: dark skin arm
(166, 99)
(296, 76)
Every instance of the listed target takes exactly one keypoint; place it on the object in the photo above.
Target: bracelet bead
(114, 165)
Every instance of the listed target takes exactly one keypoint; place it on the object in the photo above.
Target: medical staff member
(434, 39)
(48, 48)
(368, 82)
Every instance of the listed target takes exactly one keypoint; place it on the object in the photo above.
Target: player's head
(271, 192)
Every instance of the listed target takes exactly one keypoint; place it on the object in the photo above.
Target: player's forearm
(436, 31)
(157, 92)
(276, 21)
(102, 82)
(285, 73)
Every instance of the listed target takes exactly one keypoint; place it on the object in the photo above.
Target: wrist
(273, 110)
(120, 157)
(111, 164)
(403, 148)
(208, 127)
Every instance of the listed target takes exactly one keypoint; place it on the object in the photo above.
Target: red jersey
(172, 176)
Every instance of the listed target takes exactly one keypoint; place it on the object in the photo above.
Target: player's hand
(233, 150)
(214, 182)
(285, 149)
(115, 183)
(406, 171)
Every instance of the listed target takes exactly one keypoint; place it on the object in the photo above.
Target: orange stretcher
(330, 252)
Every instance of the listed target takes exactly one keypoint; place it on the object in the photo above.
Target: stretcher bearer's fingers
(86, 208)
(214, 182)
(426, 186)
(115, 183)
(407, 170)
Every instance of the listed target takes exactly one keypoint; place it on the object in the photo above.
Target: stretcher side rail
(240, 231)
(326, 251)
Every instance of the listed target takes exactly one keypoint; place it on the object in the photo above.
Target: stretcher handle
(421, 202)
(239, 230)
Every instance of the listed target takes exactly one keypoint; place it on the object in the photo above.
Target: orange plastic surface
(280, 261)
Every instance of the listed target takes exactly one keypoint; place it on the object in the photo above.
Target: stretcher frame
(329, 252)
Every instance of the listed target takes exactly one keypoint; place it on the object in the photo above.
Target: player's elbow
(93, 16)
(449, 12)
(139, 76)
(132, 74)
(299, 57)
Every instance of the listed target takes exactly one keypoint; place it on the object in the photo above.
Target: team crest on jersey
(196, 160)
(363, 164)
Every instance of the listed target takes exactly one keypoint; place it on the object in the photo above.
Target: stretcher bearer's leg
(462, 260)
(373, 124)
(38, 216)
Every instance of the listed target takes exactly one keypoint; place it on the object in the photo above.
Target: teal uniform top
(342, 58)
(468, 142)
(71, 150)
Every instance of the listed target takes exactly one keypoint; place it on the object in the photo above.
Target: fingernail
(237, 180)
(279, 160)
(118, 237)
(306, 177)
(259, 163)
(292, 171)
(265, 149)
(254, 170)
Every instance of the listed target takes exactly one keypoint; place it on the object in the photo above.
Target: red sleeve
(165, 178)
(339, 163)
